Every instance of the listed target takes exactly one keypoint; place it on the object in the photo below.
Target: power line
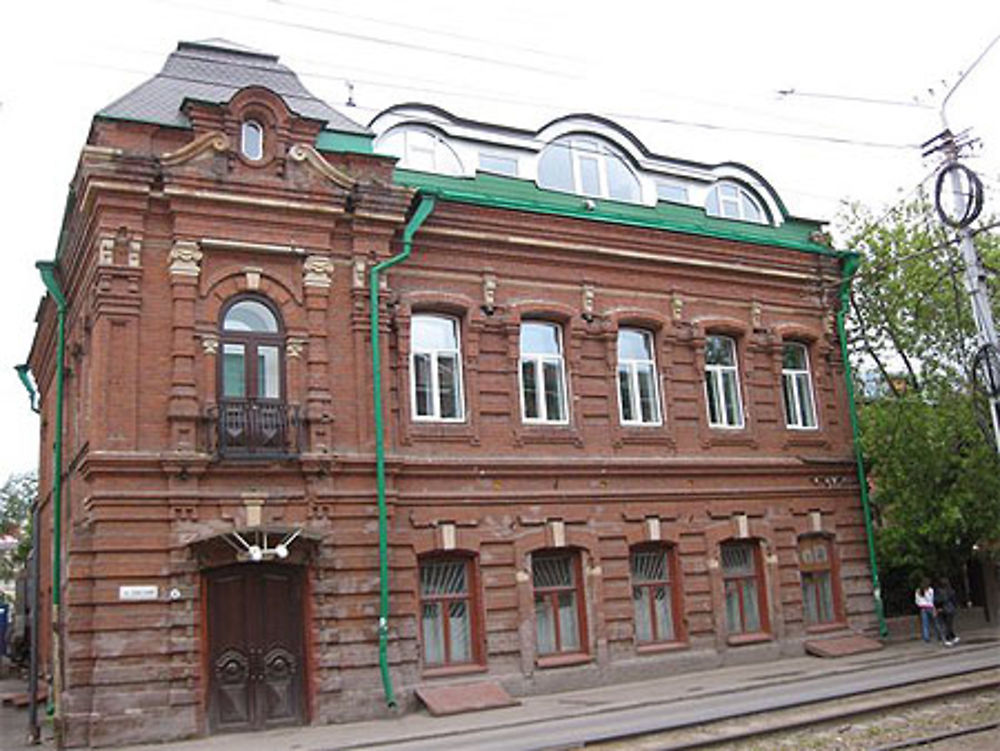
(427, 30)
(370, 38)
(522, 102)
(784, 93)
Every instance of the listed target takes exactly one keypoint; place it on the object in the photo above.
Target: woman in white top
(924, 599)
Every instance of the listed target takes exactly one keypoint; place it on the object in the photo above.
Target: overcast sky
(697, 83)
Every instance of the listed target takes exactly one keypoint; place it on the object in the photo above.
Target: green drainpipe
(851, 263)
(424, 209)
(22, 373)
(48, 272)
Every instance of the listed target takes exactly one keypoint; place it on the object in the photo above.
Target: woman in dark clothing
(945, 606)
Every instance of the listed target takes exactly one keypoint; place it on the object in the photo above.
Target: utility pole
(959, 211)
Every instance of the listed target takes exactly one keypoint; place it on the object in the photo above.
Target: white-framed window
(436, 369)
(732, 201)
(722, 383)
(588, 167)
(543, 377)
(420, 150)
(252, 140)
(498, 163)
(796, 387)
(638, 394)
(667, 190)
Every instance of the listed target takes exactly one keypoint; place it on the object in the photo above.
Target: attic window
(732, 201)
(588, 167)
(420, 150)
(252, 140)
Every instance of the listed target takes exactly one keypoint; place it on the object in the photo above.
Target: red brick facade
(167, 227)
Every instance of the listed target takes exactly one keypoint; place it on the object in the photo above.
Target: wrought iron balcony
(251, 429)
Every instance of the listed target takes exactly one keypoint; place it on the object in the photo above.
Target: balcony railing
(257, 429)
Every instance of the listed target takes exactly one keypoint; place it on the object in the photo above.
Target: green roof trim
(524, 195)
(351, 143)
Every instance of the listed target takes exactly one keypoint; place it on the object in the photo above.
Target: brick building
(611, 438)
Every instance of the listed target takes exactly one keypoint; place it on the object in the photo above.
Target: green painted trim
(497, 191)
(350, 143)
(851, 263)
(424, 208)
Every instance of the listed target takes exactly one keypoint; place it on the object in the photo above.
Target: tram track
(752, 731)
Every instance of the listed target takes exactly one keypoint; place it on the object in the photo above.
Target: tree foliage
(933, 469)
(16, 498)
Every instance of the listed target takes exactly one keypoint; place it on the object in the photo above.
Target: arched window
(252, 140)
(420, 150)
(638, 393)
(722, 383)
(557, 583)
(796, 387)
(543, 377)
(436, 368)
(589, 167)
(819, 593)
(654, 594)
(253, 415)
(743, 581)
(732, 201)
(449, 612)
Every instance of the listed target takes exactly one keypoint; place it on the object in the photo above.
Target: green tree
(16, 498)
(928, 448)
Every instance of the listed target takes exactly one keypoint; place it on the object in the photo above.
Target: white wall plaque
(138, 592)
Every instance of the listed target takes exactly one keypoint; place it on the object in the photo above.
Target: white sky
(516, 62)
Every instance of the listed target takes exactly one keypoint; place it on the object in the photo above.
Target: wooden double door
(255, 636)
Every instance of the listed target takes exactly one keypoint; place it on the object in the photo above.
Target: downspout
(48, 272)
(851, 263)
(22, 373)
(423, 210)
(34, 731)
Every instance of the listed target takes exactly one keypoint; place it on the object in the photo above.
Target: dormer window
(731, 201)
(252, 140)
(421, 150)
(588, 167)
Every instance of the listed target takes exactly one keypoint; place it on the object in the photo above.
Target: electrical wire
(372, 39)
(426, 30)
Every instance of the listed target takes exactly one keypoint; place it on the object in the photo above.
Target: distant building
(615, 421)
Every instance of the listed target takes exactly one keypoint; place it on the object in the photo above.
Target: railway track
(959, 712)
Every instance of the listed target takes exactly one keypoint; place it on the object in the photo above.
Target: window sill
(563, 661)
(651, 435)
(809, 438)
(661, 647)
(448, 432)
(825, 628)
(742, 639)
(729, 437)
(534, 433)
(448, 671)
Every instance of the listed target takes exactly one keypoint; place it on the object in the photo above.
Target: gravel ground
(884, 728)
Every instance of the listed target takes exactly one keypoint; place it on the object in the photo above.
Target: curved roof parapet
(651, 165)
(213, 71)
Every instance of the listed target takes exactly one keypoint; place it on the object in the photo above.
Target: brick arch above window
(638, 318)
(542, 310)
(720, 325)
(444, 303)
(227, 283)
(796, 332)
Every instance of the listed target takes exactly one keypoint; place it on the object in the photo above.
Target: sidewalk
(554, 720)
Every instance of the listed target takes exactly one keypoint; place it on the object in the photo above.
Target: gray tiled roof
(212, 71)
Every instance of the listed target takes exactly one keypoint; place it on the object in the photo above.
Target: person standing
(945, 605)
(924, 599)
